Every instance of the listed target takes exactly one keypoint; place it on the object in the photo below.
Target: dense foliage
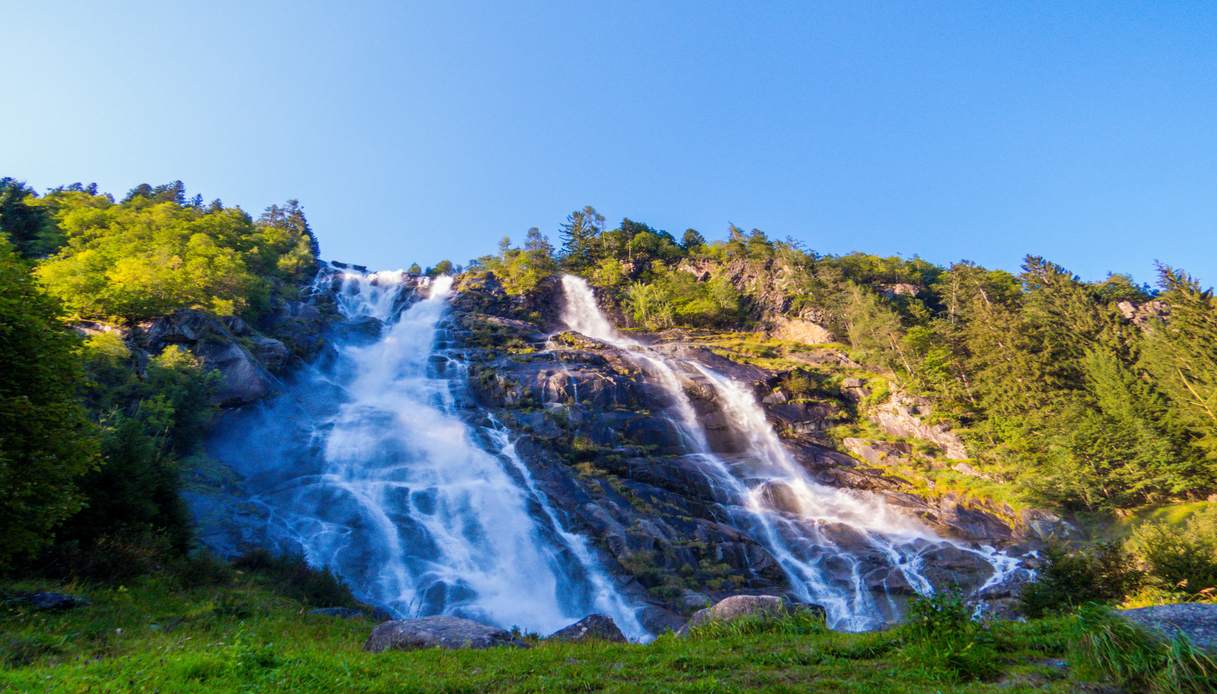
(46, 439)
(155, 252)
(94, 431)
(1080, 395)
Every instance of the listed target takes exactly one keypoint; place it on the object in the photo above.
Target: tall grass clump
(1106, 646)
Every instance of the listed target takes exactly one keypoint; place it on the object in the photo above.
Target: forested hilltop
(1082, 395)
(127, 326)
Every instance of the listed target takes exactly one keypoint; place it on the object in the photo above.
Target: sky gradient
(1084, 132)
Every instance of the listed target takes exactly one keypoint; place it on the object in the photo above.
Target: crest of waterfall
(366, 467)
(766, 492)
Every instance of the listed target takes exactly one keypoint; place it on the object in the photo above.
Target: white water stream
(824, 538)
(416, 509)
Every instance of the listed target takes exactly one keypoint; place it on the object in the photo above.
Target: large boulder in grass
(1197, 621)
(594, 627)
(738, 607)
(440, 631)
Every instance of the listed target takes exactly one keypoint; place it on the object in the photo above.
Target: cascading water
(366, 467)
(830, 542)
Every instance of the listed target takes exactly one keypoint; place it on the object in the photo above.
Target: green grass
(245, 637)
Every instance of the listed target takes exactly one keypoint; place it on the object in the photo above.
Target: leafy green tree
(145, 258)
(286, 245)
(46, 440)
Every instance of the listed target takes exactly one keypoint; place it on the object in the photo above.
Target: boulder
(298, 325)
(804, 331)
(1197, 621)
(242, 380)
(737, 607)
(594, 627)
(272, 353)
(440, 631)
(879, 453)
(49, 601)
(901, 416)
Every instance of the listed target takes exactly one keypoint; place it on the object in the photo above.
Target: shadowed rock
(594, 627)
(439, 631)
(48, 601)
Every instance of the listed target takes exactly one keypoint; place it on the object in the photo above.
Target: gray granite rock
(439, 631)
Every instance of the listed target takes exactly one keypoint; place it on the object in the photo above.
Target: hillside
(630, 424)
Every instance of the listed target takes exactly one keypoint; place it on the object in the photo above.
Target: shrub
(940, 635)
(291, 576)
(1071, 578)
(1181, 559)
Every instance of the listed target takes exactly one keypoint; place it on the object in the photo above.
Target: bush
(116, 556)
(939, 634)
(291, 576)
(1071, 578)
(1180, 559)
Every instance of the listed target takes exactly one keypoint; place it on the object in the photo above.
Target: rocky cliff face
(596, 434)
(594, 431)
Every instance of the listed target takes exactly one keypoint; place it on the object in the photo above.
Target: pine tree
(580, 233)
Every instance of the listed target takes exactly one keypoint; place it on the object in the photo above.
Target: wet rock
(594, 627)
(736, 607)
(272, 353)
(694, 600)
(1197, 621)
(658, 620)
(970, 523)
(298, 325)
(439, 631)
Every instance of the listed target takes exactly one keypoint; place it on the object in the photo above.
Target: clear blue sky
(1085, 132)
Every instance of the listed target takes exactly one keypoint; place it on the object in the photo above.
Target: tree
(536, 242)
(692, 239)
(443, 267)
(1180, 353)
(579, 234)
(287, 244)
(143, 258)
(46, 440)
(25, 225)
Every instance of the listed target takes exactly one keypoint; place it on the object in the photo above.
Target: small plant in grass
(247, 655)
(941, 637)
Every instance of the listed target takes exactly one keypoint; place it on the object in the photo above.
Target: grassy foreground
(246, 637)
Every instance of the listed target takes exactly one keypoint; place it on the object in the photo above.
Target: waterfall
(828, 541)
(366, 467)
